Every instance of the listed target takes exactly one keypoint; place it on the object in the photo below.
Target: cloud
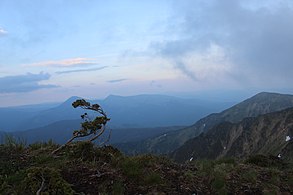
(73, 62)
(117, 80)
(256, 37)
(3, 32)
(155, 84)
(23, 83)
(81, 70)
(185, 70)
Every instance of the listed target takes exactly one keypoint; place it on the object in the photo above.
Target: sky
(53, 49)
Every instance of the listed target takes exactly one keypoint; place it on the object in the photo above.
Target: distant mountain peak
(74, 98)
(70, 100)
(268, 94)
(261, 103)
(111, 96)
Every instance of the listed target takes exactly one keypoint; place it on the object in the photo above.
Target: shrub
(249, 176)
(265, 161)
(153, 179)
(15, 143)
(218, 183)
(226, 161)
(45, 180)
(132, 168)
(118, 188)
(38, 145)
(83, 150)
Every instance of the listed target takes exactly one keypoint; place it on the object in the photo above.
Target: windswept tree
(92, 129)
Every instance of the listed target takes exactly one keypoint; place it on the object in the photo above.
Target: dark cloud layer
(255, 37)
(116, 80)
(23, 83)
(81, 70)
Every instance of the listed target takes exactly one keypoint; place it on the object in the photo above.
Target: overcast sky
(53, 49)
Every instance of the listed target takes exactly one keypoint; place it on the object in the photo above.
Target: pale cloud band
(73, 62)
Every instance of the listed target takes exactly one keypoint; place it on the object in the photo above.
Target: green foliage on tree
(89, 128)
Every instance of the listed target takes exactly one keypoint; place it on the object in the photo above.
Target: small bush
(226, 161)
(265, 161)
(189, 175)
(275, 176)
(16, 177)
(118, 188)
(132, 168)
(43, 159)
(16, 143)
(53, 182)
(205, 167)
(153, 179)
(83, 150)
(38, 145)
(249, 176)
(218, 183)
(290, 179)
(5, 188)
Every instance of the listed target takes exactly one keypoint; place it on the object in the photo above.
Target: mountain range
(158, 124)
(131, 111)
(245, 149)
(140, 116)
(261, 103)
(268, 134)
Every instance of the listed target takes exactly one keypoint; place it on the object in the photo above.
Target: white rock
(288, 138)
(279, 155)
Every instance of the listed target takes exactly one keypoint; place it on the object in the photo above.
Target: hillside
(82, 168)
(267, 134)
(261, 103)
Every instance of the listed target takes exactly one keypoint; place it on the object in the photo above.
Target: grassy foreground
(83, 168)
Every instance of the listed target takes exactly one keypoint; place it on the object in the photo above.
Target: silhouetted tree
(95, 127)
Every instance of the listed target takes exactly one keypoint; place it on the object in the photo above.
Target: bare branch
(62, 146)
(95, 137)
(107, 140)
(42, 186)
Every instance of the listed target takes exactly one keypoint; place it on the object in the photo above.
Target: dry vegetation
(82, 168)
